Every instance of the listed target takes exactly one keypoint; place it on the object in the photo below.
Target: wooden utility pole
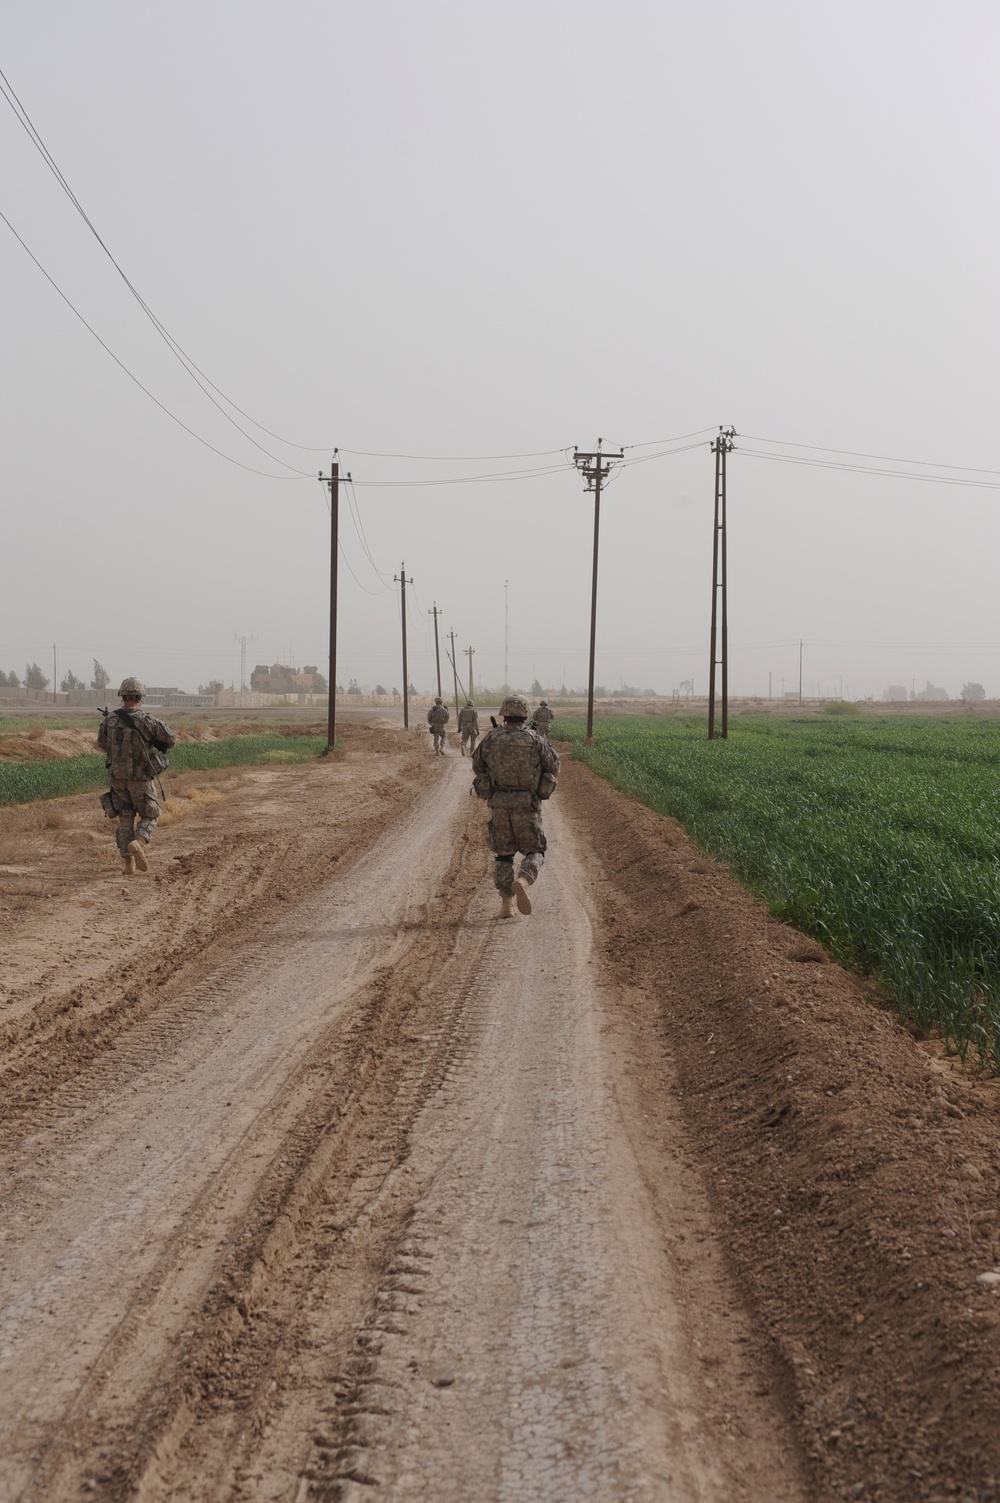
(594, 468)
(454, 670)
(437, 651)
(333, 482)
(470, 651)
(720, 448)
(400, 579)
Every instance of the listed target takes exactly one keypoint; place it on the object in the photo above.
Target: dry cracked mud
(319, 1181)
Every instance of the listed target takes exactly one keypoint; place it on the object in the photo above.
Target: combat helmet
(514, 708)
(131, 688)
(469, 705)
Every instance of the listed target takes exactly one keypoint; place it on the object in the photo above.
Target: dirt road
(320, 1182)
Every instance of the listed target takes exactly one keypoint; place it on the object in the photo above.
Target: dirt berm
(321, 1182)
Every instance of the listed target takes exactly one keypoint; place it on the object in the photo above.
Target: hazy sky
(465, 230)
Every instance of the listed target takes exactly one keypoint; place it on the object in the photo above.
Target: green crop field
(881, 838)
(23, 782)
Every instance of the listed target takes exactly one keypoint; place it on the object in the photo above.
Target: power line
(172, 415)
(859, 469)
(459, 458)
(176, 350)
(859, 454)
(529, 474)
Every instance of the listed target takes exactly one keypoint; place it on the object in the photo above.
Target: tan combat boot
(506, 907)
(521, 893)
(138, 854)
(128, 864)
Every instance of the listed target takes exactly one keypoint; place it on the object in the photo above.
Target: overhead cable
(176, 350)
(859, 469)
(858, 454)
(172, 415)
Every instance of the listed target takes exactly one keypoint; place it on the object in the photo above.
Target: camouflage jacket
(514, 759)
(438, 715)
(123, 737)
(543, 718)
(468, 719)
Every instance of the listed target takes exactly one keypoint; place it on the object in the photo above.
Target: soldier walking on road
(543, 718)
(133, 742)
(515, 768)
(468, 725)
(437, 718)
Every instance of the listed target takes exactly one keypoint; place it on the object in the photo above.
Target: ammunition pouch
(157, 761)
(546, 785)
(482, 785)
(109, 804)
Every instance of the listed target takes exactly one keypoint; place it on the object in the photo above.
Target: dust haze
(460, 233)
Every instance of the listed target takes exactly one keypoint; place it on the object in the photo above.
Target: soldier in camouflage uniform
(437, 718)
(126, 738)
(468, 725)
(515, 768)
(543, 718)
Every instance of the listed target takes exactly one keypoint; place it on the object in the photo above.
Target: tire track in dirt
(217, 879)
(120, 1210)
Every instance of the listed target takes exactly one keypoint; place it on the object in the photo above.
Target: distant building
(279, 678)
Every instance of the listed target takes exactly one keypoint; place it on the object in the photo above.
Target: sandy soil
(321, 1182)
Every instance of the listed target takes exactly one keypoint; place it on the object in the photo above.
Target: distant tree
(932, 691)
(353, 687)
(340, 688)
(895, 691)
(3, 680)
(973, 691)
(34, 678)
(320, 685)
(536, 688)
(13, 682)
(101, 679)
(71, 683)
(379, 689)
(213, 686)
(563, 691)
(413, 687)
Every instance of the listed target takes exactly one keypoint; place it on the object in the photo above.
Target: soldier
(543, 718)
(132, 742)
(437, 717)
(468, 725)
(515, 768)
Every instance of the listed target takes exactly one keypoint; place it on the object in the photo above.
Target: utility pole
(243, 641)
(437, 651)
(55, 676)
(720, 448)
(800, 670)
(594, 468)
(470, 651)
(454, 669)
(400, 579)
(506, 634)
(333, 481)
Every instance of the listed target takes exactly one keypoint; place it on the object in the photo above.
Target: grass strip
(880, 838)
(24, 782)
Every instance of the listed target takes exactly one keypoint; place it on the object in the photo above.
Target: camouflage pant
(469, 737)
(135, 798)
(515, 825)
(437, 736)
